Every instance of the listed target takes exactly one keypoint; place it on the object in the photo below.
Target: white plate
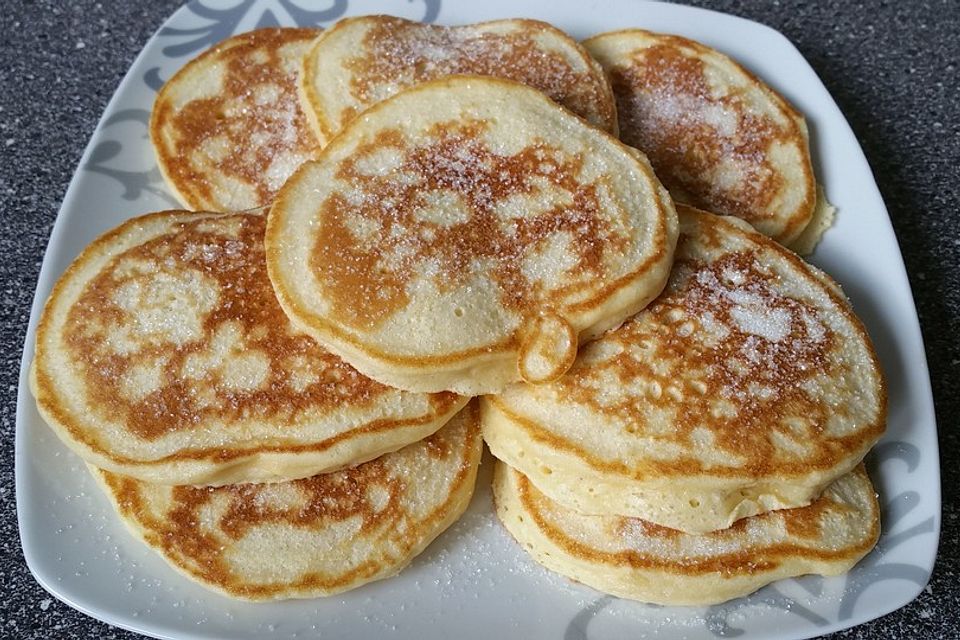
(474, 581)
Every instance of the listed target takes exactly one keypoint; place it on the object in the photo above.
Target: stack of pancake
(388, 219)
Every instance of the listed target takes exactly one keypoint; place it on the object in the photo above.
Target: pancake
(228, 129)
(162, 354)
(467, 233)
(632, 558)
(748, 385)
(717, 136)
(311, 537)
(361, 61)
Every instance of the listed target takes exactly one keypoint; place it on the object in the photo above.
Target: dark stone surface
(891, 66)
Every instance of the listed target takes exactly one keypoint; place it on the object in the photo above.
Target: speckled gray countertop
(891, 67)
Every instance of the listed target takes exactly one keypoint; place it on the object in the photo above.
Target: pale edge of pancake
(257, 465)
(823, 218)
(308, 95)
(448, 512)
(673, 584)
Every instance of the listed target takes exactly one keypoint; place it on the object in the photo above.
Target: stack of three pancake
(710, 445)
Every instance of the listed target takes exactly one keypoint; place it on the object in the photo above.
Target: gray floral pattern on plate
(134, 182)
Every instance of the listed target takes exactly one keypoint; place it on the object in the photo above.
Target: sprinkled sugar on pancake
(717, 136)
(228, 128)
(442, 242)
(364, 60)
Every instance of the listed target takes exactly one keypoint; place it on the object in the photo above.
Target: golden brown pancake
(163, 354)
(311, 537)
(228, 129)
(748, 385)
(718, 137)
(467, 233)
(361, 61)
(632, 558)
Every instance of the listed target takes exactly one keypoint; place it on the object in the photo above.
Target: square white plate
(474, 581)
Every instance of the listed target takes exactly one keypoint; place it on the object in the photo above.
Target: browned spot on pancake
(256, 132)
(398, 51)
(247, 302)
(807, 522)
(366, 278)
(438, 448)
(667, 109)
(331, 496)
(721, 332)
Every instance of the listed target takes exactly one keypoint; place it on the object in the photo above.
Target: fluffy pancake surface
(310, 537)
(163, 354)
(631, 558)
(718, 137)
(748, 385)
(364, 60)
(465, 233)
(228, 128)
